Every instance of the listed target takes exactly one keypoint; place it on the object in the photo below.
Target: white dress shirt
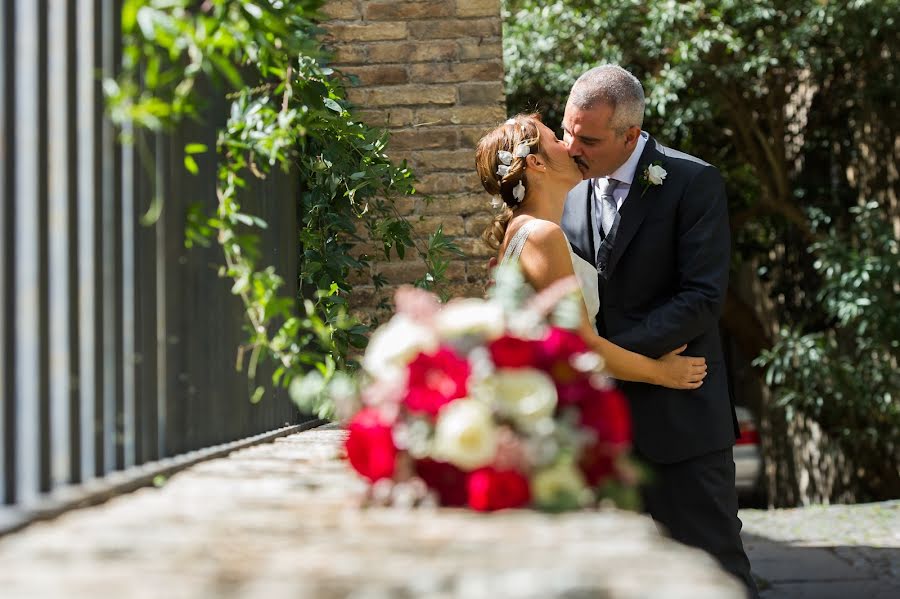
(624, 174)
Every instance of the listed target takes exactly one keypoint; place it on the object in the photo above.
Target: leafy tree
(795, 101)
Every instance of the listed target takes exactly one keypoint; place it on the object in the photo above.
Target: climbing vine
(288, 111)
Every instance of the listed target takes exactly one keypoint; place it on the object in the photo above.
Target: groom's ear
(632, 135)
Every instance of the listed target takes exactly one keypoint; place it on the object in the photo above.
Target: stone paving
(283, 519)
(825, 552)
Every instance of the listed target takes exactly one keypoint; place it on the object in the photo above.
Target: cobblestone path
(826, 552)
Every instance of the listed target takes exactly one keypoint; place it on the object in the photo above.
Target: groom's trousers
(696, 502)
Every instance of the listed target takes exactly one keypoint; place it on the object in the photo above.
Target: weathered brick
(409, 95)
(481, 93)
(348, 54)
(341, 9)
(423, 138)
(456, 72)
(478, 8)
(422, 9)
(398, 272)
(378, 74)
(455, 203)
(439, 183)
(463, 115)
(480, 48)
(469, 136)
(442, 160)
(410, 52)
(466, 289)
(476, 223)
(473, 248)
(365, 32)
(478, 270)
(387, 117)
(455, 28)
(452, 226)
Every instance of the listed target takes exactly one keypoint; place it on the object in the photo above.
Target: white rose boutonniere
(654, 174)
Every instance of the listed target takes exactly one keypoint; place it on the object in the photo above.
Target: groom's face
(596, 148)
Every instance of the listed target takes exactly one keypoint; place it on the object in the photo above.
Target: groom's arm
(704, 254)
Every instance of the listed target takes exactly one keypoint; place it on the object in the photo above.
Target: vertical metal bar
(7, 171)
(163, 384)
(59, 241)
(74, 448)
(28, 369)
(146, 302)
(88, 277)
(109, 224)
(126, 227)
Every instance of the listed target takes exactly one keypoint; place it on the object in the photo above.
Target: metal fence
(118, 344)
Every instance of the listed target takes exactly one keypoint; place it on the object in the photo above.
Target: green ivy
(288, 111)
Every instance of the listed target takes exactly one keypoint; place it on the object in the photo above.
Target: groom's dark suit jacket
(665, 286)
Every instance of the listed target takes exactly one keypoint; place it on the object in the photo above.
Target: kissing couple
(644, 228)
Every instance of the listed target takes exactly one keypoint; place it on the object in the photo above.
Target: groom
(654, 221)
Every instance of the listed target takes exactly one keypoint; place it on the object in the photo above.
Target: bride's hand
(681, 372)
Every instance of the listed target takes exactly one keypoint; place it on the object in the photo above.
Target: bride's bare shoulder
(547, 233)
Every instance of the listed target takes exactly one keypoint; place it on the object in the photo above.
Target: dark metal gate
(118, 343)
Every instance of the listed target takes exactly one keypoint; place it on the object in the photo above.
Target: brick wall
(431, 71)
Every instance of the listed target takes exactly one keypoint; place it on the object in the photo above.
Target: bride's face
(561, 167)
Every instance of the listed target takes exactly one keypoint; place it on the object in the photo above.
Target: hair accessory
(511, 121)
(496, 202)
(505, 157)
(521, 151)
(502, 170)
(519, 192)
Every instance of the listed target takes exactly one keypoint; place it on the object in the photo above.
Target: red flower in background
(370, 445)
(555, 354)
(491, 489)
(513, 352)
(448, 481)
(608, 416)
(435, 380)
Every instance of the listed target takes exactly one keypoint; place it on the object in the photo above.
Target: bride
(529, 169)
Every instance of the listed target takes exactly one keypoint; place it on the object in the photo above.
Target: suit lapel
(637, 204)
(576, 220)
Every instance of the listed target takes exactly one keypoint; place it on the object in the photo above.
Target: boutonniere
(654, 174)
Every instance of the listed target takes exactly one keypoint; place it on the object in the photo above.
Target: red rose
(448, 481)
(370, 445)
(435, 380)
(512, 352)
(596, 463)
(556, 351)
(491, 489)
(607, 414)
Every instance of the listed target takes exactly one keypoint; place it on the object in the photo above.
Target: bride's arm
(545, 260)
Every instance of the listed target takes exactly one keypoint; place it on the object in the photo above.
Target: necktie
(607, 204)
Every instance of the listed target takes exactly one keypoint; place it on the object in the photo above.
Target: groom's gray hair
(612, 85)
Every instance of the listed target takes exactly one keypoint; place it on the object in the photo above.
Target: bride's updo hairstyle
(501, 179)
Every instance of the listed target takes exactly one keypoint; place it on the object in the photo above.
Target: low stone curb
(283, 520)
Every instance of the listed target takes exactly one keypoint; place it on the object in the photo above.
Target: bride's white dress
(584, 270)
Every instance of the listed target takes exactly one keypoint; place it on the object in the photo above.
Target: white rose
(470, 317)
(656, 174)
(560, 486)
(526, 395)
(465, 435)
(394, 344)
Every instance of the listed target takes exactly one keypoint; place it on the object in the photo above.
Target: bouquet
(490, 404)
